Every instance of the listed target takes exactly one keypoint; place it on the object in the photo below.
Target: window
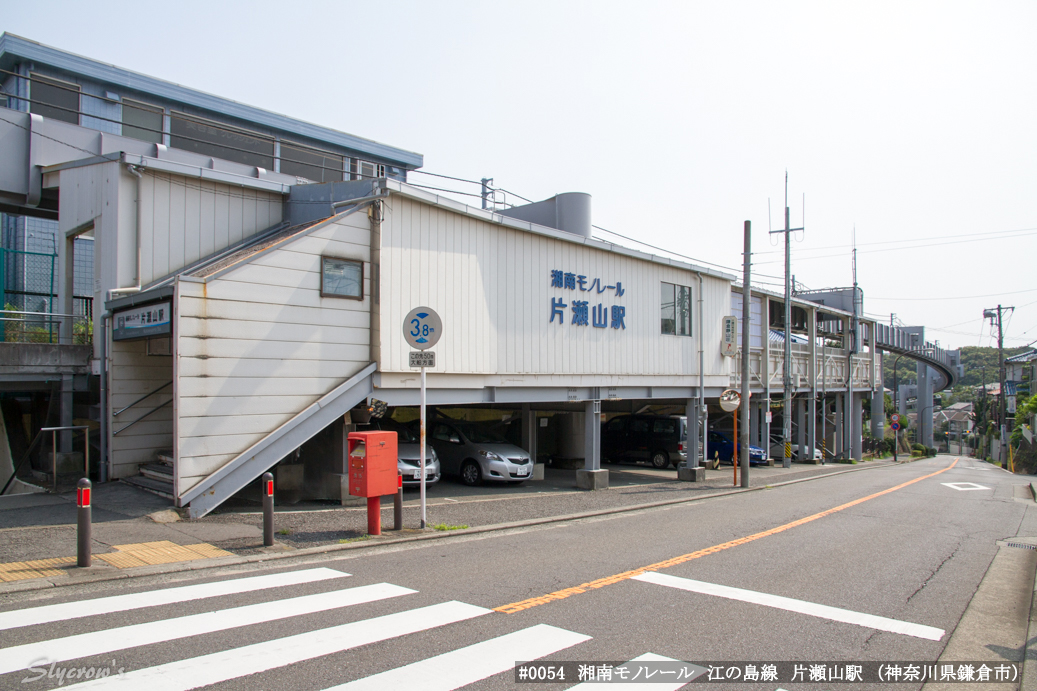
(365, 170)
(221, 141)
(342, 278)
(676, 309)
(668, 426)
(54, 99)
(141, 121)
(312, 164)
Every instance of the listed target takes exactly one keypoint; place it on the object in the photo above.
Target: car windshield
(479, 435)
(403, 435)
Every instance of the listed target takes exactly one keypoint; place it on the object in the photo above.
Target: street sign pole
(422, 472)
(422, 328)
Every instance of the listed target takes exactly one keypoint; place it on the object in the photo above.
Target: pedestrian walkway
(133, 529)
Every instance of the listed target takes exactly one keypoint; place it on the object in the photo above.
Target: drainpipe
(702, 379)
(105, 462)
(137, 172)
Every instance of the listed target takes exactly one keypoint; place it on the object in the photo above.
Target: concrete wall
(258, 344)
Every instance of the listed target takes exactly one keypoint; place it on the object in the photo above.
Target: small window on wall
(676, 309)
(54, 99)
(141, 121)
(342, 278)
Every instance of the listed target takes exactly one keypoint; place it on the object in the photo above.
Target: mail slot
(372, 463)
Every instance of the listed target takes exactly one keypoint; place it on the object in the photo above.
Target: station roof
(15, 49)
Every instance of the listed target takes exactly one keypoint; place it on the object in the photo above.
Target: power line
(914, 247)
(963, 297)
(982, 235)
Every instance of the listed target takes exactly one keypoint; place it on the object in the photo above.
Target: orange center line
(609, 580)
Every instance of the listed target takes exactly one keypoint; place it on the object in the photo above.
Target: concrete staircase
(155, 477)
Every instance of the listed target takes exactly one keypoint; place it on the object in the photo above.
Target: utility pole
(849, 422)
(747, 302)
(1003, 407)
(786, 411)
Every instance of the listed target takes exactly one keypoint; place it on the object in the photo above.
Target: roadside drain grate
(1012, 544)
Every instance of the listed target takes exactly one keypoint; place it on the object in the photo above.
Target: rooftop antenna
(786, 412)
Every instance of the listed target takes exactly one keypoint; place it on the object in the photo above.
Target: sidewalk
(134, 530)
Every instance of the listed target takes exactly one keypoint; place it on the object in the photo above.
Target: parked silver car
(408, 452)
(476, 454)
(778, 451)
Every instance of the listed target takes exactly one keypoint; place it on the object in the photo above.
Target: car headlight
(489, 455)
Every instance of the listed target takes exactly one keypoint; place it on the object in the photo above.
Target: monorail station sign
(582, 313)
(142, 322)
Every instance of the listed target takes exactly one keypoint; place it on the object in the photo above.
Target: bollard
(268, 509)
(374, 515)
(83, 532)
(397, 506)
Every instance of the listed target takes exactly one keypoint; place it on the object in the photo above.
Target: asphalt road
(914, 556)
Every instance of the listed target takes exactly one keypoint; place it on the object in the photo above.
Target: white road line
(963, 486)
(110, 640)
(646, 686)
(260, 657)
(153, 598)
(813, 609)
(470, 664)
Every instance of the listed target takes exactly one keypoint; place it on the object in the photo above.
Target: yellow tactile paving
(163, 552)
(39, 568)
(126, 556)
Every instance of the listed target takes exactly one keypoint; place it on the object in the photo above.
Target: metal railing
(54, 453)
(17, 326)
(153, 410)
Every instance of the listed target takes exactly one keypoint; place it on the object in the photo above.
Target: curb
(77, 578)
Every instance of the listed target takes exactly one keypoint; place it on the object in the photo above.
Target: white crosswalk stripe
(454, 669)
(122, 603)
(261, 657)
(470, 664)
(110, 640)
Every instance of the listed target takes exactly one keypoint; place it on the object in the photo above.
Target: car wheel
(660, 460)
(470, 473)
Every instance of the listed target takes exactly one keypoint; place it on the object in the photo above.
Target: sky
(909, 126)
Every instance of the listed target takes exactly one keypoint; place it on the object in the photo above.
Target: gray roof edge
(77, 64)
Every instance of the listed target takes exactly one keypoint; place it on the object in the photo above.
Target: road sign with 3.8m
(422, 328)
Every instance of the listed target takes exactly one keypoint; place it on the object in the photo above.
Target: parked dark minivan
(658, 439)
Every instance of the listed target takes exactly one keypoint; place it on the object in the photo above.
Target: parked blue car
(720, 445)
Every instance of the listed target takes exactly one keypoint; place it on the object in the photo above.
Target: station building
(251, 274)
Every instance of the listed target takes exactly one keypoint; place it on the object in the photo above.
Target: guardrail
(17, 326)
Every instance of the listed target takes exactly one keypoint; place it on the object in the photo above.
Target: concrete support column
(801, 432)
(65, 413)
(878, 414)
(754, 422)
(529, 440)
(592, 476)
(924, 405)
(691, 411)
(811, 428)
(692, 470)
(840, 445)
(856, 425)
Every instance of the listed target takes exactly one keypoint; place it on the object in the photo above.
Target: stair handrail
(123, 410)
(156, 408)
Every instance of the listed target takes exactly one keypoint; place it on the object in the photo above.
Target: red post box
(372, 471)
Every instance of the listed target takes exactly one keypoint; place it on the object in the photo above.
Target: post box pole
(83, 500)
(397, 505)
(268, 509)
(374, 515)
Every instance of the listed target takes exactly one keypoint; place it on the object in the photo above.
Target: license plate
(417, 474)
(523, 470)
